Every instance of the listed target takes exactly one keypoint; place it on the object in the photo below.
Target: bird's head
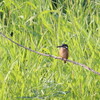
(63, 46)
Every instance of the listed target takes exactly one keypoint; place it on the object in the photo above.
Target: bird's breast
(63, 53)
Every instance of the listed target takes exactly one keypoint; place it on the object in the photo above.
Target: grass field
(36, 24)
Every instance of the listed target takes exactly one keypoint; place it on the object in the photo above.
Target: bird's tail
(64, 61)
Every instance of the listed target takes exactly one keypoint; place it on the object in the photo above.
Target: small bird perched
(63, 52)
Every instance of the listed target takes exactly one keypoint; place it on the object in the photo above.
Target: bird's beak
(59, 46)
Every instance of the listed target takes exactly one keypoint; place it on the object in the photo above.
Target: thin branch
(82, 65)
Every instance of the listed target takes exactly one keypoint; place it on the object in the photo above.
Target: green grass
(25, 75)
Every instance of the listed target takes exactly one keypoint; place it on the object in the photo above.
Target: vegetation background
(42, 25)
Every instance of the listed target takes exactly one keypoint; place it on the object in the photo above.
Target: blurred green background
(42, 25)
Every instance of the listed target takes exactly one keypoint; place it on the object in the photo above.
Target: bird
(63, 51)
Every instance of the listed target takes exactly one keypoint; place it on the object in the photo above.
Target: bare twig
(82, 65)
